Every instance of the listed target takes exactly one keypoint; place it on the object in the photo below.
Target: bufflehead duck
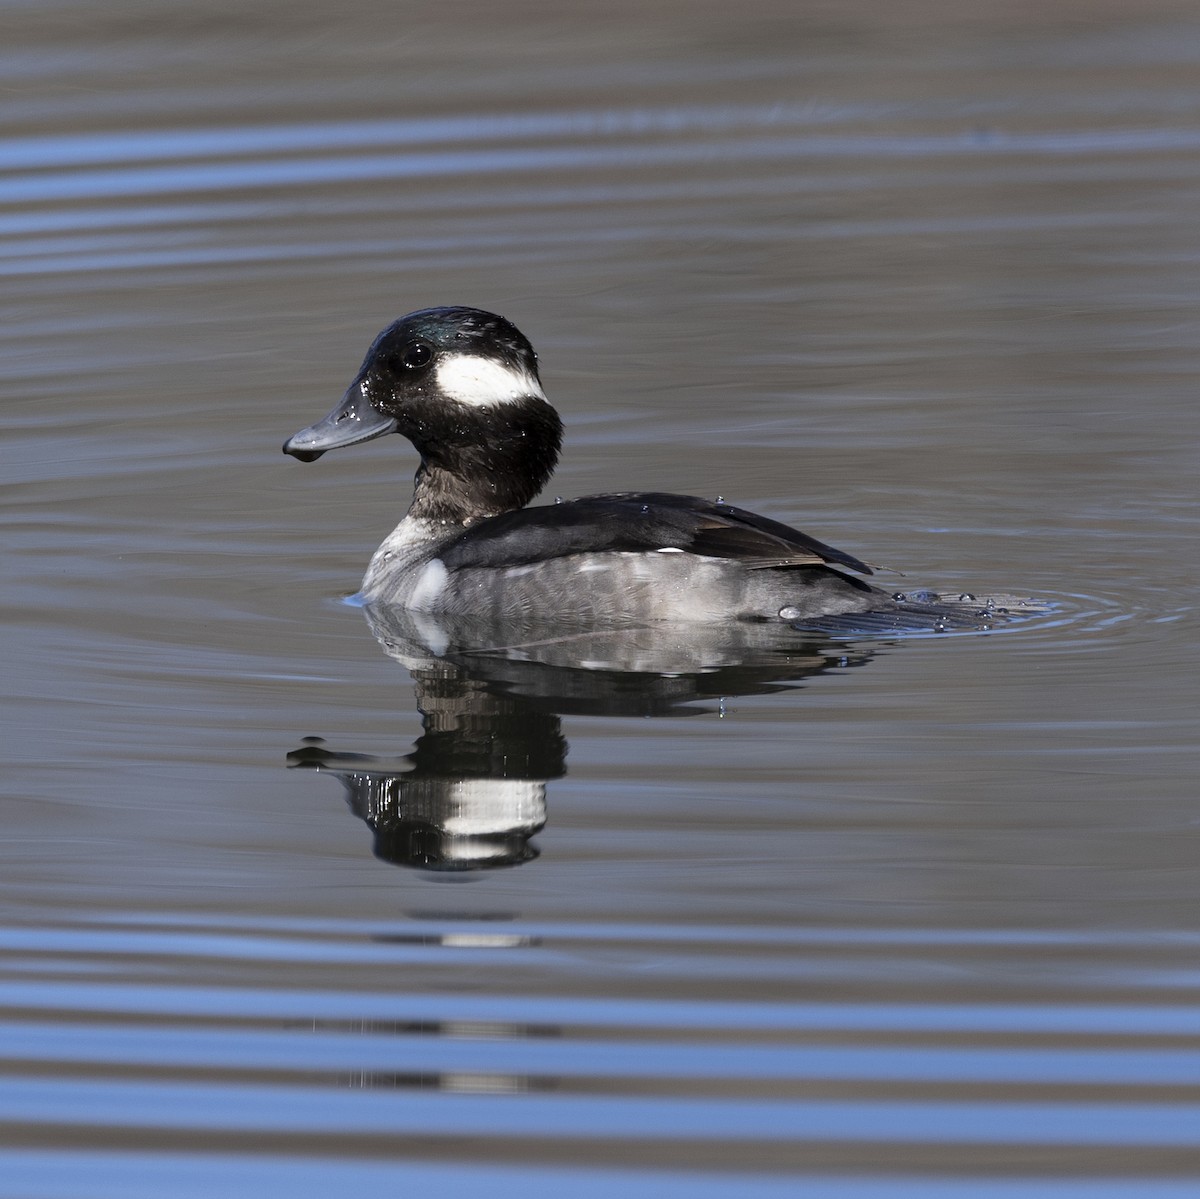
(462, 385)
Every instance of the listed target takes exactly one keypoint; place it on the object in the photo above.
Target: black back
(639, 521)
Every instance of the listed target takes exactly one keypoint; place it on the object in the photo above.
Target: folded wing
(640, 522)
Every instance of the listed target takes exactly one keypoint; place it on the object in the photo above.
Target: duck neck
(491, 461)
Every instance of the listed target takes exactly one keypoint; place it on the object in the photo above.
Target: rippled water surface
(294, 903)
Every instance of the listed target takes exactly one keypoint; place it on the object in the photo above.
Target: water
(843, 918)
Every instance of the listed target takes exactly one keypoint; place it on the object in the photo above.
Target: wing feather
(640, 521)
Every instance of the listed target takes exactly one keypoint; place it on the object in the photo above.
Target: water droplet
(900, 597)
(789, 613)
(645, 509)
(965, 598)
(558, 499)
(720, 499)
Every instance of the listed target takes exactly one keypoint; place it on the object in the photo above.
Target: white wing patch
(484, 382)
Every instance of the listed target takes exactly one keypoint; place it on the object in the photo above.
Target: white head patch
(484, 382)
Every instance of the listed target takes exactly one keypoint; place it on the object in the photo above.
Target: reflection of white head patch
(482, 382)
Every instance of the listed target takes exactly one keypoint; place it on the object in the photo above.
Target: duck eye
(416, 355)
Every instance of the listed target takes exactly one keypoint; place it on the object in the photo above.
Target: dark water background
(896, 919)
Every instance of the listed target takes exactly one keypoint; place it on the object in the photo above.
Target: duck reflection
(472, 794)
